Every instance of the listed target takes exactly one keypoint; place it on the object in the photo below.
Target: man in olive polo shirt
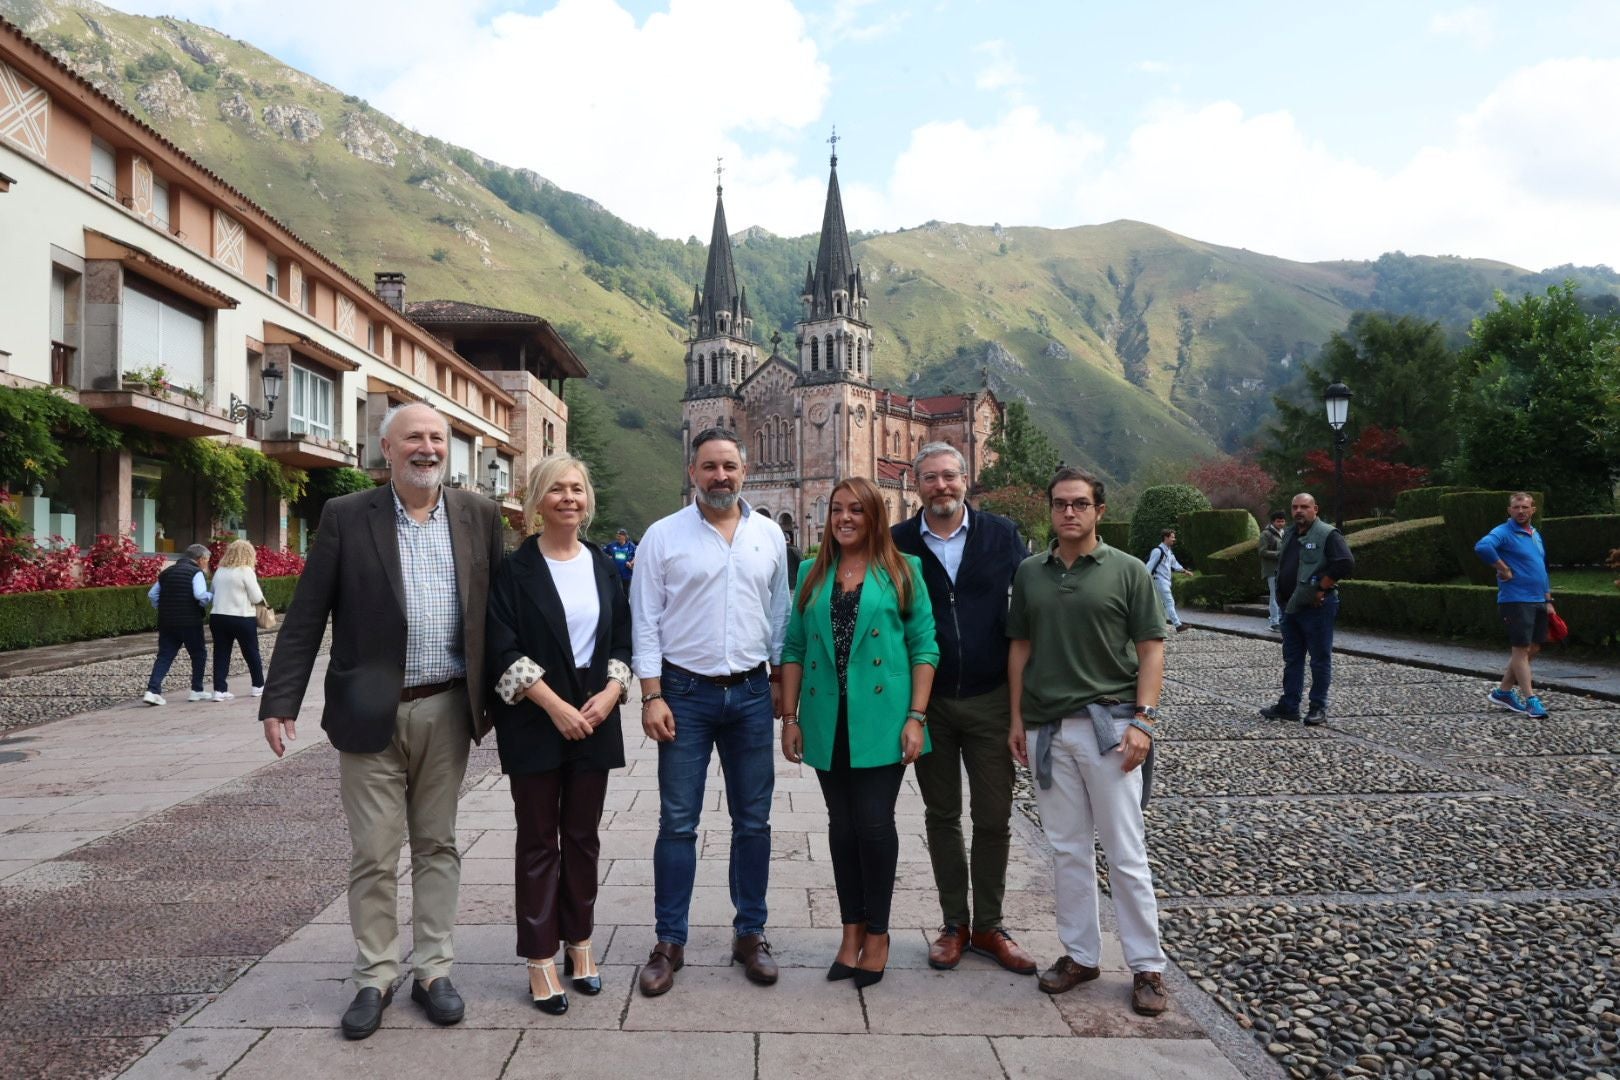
(1084, 667)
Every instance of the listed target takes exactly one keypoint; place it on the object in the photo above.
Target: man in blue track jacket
(1523, 598)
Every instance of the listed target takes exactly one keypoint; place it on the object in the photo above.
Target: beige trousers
(409, 788)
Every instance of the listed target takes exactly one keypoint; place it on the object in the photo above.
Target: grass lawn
(1572, 579)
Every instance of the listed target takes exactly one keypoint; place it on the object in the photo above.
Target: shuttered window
(103, 168)
(158, 332)
(59, 287)
(311, 410)
(160, 203)
(461, 459)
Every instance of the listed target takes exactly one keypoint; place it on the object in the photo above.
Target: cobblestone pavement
(1423, 887)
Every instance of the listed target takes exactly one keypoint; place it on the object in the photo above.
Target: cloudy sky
(1483, 129)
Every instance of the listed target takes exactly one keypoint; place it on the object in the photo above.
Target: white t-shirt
(576, 584)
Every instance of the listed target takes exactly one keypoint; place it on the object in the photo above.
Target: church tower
(720, 350)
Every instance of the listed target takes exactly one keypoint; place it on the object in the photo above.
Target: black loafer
(1317, 716)
(365, 1012)
(440, 1001)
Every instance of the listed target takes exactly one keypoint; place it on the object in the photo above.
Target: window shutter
(58, 306)
(182, 341)
(140, 340)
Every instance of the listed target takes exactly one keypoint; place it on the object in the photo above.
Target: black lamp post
(494, 477)
(1337, 398)
(270, 382)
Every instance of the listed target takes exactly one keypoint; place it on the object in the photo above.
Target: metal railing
(61, 363)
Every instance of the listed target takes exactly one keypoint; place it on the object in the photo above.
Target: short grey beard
(407, 474)
(948, 510)
(718, 500)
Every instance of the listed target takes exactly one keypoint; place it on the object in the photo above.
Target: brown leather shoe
(946, 951)
(999, 946)
(658, 974)
(1065, 975)
(753, 952)
(1148, 996)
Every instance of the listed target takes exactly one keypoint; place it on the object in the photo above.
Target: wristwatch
(1149, 711)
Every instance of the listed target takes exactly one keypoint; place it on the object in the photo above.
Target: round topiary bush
(1158, 509)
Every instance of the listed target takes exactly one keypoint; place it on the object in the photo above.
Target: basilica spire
(835, 269)
(719, 307)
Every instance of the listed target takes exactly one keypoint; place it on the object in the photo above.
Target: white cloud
(1474, 25)
(1152, 67)
(846, 22)
(1000, 70)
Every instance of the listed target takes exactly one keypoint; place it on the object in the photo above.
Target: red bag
(1557, 628)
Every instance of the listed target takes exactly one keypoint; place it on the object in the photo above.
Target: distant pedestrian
(234, 620)
(794, 558)
(559, 659)
(1314, 558)
(1271, 541)
(181, 597)
(1085, 666)
(623, 553)
(1523, 598)
(403, 573)
(1161, 563)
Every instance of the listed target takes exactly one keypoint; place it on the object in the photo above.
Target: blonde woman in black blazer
(559, 653)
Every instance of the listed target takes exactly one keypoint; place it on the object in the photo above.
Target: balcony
(157, 408)
(61, 364)
(305, 451)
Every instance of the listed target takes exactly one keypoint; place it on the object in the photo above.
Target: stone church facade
(811, 417)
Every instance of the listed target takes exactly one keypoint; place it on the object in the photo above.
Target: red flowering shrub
(115, 560)
(1372, 478)
(27, 567)
(268, 562)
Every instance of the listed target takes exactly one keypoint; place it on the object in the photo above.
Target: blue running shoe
(1534, 709)
(1508, 699)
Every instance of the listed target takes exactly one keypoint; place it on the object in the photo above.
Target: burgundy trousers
(558, 813)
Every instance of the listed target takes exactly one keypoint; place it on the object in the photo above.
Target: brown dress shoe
(1065, 975)
(1148, 997)
(999, 946)
(658, 975)
(946, 951)
(753, 952)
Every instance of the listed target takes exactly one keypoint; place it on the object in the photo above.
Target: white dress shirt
(705, 605)
(948, 549)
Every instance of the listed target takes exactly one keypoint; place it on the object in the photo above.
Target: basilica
(812, 418)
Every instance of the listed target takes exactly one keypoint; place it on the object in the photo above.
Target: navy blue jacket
(970, 618)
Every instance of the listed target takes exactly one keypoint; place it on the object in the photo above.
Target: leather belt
(719, 680)
(417, 693)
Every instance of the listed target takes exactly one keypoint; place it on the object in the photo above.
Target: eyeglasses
(1079, 506)
(940, 477)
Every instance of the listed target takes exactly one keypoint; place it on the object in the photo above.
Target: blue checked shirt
(433, 643)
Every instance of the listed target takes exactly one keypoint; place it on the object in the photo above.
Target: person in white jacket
(234, 618)
(1161, 563)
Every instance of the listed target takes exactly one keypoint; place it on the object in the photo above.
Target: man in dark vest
(968, 558)
(181, 597)
(1313, 560)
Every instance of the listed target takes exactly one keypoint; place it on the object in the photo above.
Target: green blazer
(886, 647)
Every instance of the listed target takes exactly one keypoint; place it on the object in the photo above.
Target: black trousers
(861, 833)
(558, 815)
(235, 630)
(170, 642)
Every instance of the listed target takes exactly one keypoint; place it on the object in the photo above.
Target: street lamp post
(1337, 398)
(270, 383)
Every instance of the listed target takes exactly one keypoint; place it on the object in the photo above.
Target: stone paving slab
(615, 1055)
(463, 1053)
(1111, 1059)
(876, 1057)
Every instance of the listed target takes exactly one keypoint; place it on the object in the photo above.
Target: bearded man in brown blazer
(403, 572)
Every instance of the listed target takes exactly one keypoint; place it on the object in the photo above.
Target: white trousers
(1091, 797)
(1168, 598)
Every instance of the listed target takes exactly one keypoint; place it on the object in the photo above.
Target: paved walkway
(171, 904)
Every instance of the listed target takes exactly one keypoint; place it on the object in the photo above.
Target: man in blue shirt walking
(1523, 597)
(623, 553)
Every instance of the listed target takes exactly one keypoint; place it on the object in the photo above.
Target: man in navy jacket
(968, 559)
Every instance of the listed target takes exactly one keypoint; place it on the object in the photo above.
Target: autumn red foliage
(267, 562)
(1234, 483)
(115, 560)
(112, 560)
(1372, 477)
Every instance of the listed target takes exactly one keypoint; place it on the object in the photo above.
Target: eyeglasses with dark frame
(1079, 506)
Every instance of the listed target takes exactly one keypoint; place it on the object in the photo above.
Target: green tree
(1538, 401)
(1025, 457)
(35, 423)
(1402, 374)
(1157, 510)
(588, 441)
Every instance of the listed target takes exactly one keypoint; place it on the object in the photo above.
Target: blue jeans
(736, 720)
(170, 642)
(1309, 630)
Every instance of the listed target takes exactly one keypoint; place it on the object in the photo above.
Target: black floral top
(846, 607)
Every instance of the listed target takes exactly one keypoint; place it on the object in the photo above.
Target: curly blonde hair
(238, 553)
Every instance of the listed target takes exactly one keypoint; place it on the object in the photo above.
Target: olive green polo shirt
(1082, 623)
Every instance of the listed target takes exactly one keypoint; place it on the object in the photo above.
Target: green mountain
(1133, 346)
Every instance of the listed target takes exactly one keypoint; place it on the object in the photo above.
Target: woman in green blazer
(856, 672)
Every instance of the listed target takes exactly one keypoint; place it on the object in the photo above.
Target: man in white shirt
(709, 608)
(1161, 564)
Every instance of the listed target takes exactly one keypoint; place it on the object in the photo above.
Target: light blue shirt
(1525, 554)
(948, 549)
(199, 589)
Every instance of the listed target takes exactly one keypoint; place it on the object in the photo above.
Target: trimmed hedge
(1210, 590)
(1355, 525)
(1203, 532)
(1423, 502)
(49, 618)
(1468, 611)
(1158, 509)
(1116, 534)
(1470, 515)
(1417, 552)
(1241, 564)
(1581, 541)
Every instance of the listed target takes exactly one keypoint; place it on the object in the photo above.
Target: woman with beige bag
(238, 610)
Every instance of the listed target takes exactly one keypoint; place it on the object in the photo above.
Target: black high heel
(555, 1003)
(865, 977)
(585, 984)
(838, 972)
